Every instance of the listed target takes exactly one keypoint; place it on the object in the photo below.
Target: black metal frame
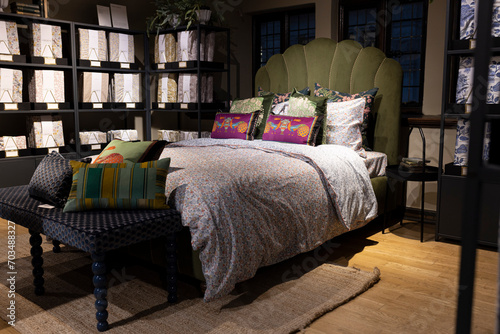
(479, 172)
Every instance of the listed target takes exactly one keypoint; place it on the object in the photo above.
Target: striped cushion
(118, 186)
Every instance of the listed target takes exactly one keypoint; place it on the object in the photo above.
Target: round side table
(394, 172)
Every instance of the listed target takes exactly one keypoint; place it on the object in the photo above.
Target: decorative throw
(343, 124)
(369, 96)
(235, 125)
(118, 151)
(51, 181)
(299, 130)
(118, 186)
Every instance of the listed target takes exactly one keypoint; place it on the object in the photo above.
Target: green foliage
(185, 10)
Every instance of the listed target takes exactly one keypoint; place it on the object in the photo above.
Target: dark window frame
(383, 22)
(283, 15)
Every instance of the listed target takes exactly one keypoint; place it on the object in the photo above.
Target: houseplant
(189, 11)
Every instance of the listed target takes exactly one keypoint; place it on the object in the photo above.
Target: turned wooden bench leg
(100, 291)
(57, 246)
(171, 268)
(37, 262)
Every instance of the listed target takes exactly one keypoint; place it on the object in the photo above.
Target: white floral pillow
(343, 124)
(280, 108)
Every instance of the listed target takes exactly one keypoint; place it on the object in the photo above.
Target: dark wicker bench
(93, 231)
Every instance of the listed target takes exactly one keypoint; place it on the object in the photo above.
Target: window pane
(405, 28)
(294, 22)
(405, 45)
(294, 37)
(396, 27)
(416, 45)
(277, 28)
(270, 29)
(405, 96)
(406, 78)
(353, 17)
(406, 11)
(395, 45)
(312, 20)
(371, 16)
(396, 13)
(303, 21)
(263, 29)
(415, 63)
(418, 10)
(361, 17)
(415, 78)
(359, 29)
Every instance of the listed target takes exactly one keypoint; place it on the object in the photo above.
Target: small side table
(428, 174)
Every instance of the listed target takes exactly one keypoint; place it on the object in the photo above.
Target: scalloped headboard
(345, 67)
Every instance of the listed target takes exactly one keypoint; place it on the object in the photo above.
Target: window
(398, 30)
(406, 37)
(274, 32)
(361, 26)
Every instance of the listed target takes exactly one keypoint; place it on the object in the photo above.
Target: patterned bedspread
(250, 204)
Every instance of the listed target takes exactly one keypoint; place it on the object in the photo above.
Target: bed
(249, 204)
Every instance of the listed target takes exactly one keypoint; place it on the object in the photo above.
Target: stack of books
(25, 9)
(412, 165)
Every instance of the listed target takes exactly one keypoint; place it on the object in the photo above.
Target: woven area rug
(274, 301)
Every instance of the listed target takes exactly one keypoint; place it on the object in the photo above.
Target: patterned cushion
(301, 106)
(369, 96)
(299, 130)
(261, 104)
(343, 124)
(118, 151)
(281, 97)
(51, 181)
(240, 126)
(305, 102)
(118, 186)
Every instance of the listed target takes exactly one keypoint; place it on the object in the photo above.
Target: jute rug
(282, 298)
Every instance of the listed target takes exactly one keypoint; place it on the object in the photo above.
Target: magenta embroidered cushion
(299, 130)
(232, 125)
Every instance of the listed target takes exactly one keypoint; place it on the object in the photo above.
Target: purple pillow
(299, 130)
(233, 125)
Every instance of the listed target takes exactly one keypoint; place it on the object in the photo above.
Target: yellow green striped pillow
(118, 186)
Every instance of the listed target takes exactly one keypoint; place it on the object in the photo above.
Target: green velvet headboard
(345, 67)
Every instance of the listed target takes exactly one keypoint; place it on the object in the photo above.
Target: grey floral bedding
(250, 204)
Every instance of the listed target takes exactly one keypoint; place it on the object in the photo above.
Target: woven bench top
(90, 231)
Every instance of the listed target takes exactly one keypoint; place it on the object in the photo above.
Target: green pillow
(303, 105)
(118, 151)
(261, 103)
(118, 186)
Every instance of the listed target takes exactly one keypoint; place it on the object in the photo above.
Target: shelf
(458, 110)
(458, 47)
(110, 106)
(189, 107)
(108, 66)
(190, 65)
(34, 65)
(192, 27)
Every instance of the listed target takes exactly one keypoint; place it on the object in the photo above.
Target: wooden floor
(418, 288)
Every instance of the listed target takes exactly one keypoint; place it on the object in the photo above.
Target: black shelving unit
(452, 188)
(199, 110)
(73, 112)
(481, 174)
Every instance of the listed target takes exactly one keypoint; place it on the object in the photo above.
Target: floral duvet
(250, 204)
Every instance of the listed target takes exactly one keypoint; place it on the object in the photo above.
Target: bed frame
(345, 67)
(349, 68)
